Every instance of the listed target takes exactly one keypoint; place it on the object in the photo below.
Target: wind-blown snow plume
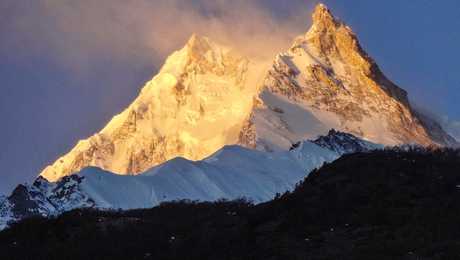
(453, 127)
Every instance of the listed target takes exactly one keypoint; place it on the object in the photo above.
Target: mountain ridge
(230, 173)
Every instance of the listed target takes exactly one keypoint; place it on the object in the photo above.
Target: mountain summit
(205, 97)
(327, 78)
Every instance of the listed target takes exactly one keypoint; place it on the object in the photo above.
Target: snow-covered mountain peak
(200, 45)
(328, 79)
(323, 23)
(201, 86)
(333, 41)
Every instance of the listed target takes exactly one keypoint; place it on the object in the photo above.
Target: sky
(67, 67)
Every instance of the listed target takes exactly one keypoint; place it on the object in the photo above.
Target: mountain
(326, 80)
(379, 205)
(231, 173)
(196, 104)
(207, 96)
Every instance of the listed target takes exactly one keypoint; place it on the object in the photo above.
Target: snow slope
(232, 172)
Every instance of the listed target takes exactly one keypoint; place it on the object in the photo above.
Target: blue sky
(63, 78)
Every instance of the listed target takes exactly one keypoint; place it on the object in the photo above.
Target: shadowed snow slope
(231, 173)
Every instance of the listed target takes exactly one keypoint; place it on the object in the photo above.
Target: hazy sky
(67, 67)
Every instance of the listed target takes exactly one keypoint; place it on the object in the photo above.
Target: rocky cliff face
(43, 198)
(344, 143)
(328, 77)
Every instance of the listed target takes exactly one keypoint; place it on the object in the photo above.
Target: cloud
(76, 33)
(452, 127)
